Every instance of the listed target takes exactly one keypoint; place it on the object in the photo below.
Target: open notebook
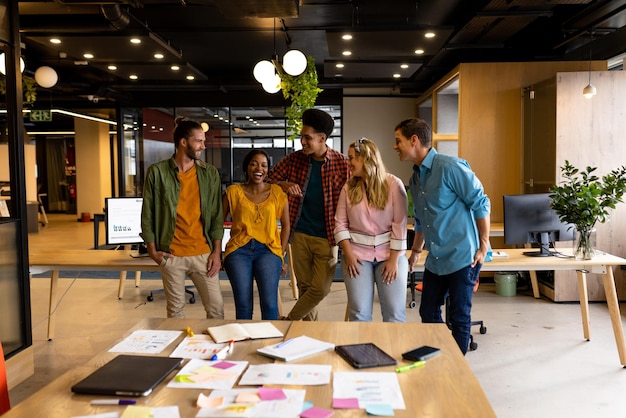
(128, 375)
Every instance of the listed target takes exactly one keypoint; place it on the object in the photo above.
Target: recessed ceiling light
(159, 56)
(161, 129)
(135, 41)
(338, 75)
(429, 35)
(55, 40)
(396, 75)
(216, 115)
(175, 67)
(153, 127)
(419, 51)
(88, 55)
(339, 65)
(347, 53)
(404, 66)
(190, 77)
(133, 77)
(346, 37)
(112, 67)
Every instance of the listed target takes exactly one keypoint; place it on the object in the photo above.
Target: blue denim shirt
(447, 198)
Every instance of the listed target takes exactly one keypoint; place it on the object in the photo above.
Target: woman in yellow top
(257, 246)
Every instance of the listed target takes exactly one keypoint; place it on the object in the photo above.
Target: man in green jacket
(182, 222)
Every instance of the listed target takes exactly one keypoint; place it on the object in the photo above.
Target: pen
(113, 402)
(231, 346)
(284, 343)
(410, 366)
(221, 355)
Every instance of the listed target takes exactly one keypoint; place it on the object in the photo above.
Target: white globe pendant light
(46, 77)
(272, 85)
(294, 62)
(3, 65)
(263, 70)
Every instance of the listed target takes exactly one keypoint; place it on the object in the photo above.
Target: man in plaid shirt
(311, 176)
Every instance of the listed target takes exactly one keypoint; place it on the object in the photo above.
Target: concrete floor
(532, 362)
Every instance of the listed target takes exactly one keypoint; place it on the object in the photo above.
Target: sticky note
(271, 394)
(223, 365)
(206, 402)
(381, 410)
(247, 397)
(316, 412)
(345, 403)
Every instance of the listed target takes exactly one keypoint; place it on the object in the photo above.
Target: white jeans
(360, 291)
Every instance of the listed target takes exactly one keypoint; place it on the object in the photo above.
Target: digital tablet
(364, 355)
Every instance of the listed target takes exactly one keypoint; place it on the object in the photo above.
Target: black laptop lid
(128, 375)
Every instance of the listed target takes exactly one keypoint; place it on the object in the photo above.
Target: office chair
(192, 299)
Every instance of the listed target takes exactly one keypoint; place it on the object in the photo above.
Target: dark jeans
(254, 261)
(459, 286)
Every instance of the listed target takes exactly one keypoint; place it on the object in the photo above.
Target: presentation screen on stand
(529, 219)
(123, 220)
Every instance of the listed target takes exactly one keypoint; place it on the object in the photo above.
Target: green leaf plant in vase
(583, 199)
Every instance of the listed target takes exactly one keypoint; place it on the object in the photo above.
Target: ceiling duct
(258, 9)
(119, 19)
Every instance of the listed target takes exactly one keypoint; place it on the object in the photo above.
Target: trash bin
(85, 217)
(506, 283)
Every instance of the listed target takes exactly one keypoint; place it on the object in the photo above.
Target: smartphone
(422, 353)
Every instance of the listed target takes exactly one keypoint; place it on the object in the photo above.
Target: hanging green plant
(301, 91)
(29, 88)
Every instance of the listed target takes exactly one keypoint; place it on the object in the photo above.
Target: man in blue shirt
(451, 222)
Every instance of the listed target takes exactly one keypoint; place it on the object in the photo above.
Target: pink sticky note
(223, 365)
(316, 412)
(272, 394)
(345, 403)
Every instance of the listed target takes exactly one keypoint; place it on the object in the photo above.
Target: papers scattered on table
(205, 374)
(244, 331)
(286, 374)
(501, 254)
(146, 341)
(199, 346)
(295, 348)
(137, 411)
(261, 402)
(369, 388)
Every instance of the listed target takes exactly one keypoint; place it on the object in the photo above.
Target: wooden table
(445, 387)
(600, 264)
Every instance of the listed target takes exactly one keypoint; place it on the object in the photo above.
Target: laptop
(128, 375)
(364, 355)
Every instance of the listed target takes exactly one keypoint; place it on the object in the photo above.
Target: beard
(192, 154)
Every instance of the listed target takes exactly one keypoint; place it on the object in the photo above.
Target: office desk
(445, 387)
(600, 264)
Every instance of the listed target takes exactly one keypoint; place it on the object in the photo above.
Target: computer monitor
(529, 219)
(123, 220)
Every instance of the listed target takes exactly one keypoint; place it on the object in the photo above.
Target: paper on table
(286, 374)
(138, 411)
(104, 415)
(284, 408)
(199, 346)
(369, 388)
(146, 341)
(295, 348)
(205, 374)
(244, 331)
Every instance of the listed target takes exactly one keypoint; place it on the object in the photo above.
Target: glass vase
(585, 243)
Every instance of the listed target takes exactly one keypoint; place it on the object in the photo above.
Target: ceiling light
(159, 56)
(396, 75)
(175, 68)
(419, 51)
(429, 35)
(346, 37)
(404, 66)
(46, 77)
(294, 62)
(272, 85)
(190, 77)
(205, 126)
(3, 68)
(135, 41)
(133, 77)
(339, 65)
(112, 67)
(88, 55)
(153, 127)
(263, 70)
(55, 40)
(589, 91)
(216, 115)
(161, 129)
(347, 53)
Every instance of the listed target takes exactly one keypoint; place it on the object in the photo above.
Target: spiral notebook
(128, 375)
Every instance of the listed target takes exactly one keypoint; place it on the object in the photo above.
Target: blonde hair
(374, 178)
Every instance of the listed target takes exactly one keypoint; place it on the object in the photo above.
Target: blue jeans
(360, 291)
(254, 261)
(459, 286)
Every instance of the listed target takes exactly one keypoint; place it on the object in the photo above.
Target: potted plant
(583, 199)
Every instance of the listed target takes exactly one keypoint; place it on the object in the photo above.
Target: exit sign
(40, 116)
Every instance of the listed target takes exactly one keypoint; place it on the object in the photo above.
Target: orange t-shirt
(189, 239)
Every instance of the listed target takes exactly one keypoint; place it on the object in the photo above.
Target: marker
(113, 402)
(231, 346)
(221, 355)
(284, 343)
(189, 332)
(408, 367)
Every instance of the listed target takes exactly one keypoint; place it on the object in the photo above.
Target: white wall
(375, 118)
